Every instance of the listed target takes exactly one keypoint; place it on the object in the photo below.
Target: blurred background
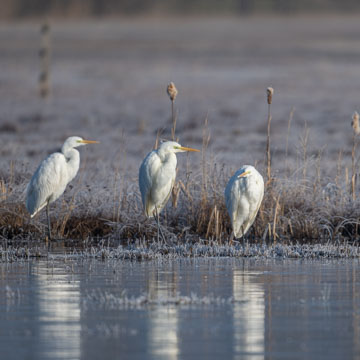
(105, 66)
(24, 8)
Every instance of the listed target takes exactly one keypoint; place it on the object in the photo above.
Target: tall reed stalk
(172, 92)
(287, 140)
(44, 54)
(270, 93)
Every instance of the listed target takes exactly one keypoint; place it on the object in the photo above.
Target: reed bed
(300, 206)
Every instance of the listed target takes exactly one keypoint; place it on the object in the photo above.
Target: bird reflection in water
(163, 322)
(59, 316)
(249, 316)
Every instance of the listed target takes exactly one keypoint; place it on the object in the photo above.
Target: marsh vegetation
(311, 194)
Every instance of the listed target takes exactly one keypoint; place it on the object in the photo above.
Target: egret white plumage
(52, 176)
(243, 195)
(157, 175)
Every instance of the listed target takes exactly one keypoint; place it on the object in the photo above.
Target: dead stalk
(158, 135)
(339, 169)
(173, 121)
(270, 92)
(172, 92)
(304, 143)
(287, 140)
(212, 215)
(44, 54)
(205, 143)
(275, 218)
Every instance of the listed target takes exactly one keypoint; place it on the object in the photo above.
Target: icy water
(183, 309)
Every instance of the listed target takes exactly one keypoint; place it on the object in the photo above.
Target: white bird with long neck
(243, 195)
(157, 175)
(52, 176)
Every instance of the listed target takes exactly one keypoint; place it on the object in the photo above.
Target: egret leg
(243, 237)
(158, 224)
(232, 236)
(48, 219)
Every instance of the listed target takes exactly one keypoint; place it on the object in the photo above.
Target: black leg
(243, 237)
(158, 224)
(232, 237)
(48, 219)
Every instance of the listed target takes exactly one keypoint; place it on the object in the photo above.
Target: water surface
(203, 308)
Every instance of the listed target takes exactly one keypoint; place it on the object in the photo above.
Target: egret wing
(252, 193)
(166, 192)
(231, 198)
(147, 173)
(156, 179)
(47, 184)
(235, 205)
(250, 219)
(238, 205)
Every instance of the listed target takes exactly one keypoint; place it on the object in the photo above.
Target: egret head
(246, 171)
(174, 147)
(75, 141)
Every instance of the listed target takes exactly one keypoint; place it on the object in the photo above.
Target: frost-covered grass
(161, 252)
(293, 211)
(310, 199)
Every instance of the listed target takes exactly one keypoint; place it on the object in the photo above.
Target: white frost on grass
(160, 251)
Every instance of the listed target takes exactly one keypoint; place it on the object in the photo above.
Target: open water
(185, 309)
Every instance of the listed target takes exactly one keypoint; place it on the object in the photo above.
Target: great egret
(243, 195)
(157, 176)
(52, 176)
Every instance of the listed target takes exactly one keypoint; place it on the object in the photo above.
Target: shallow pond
(204, 308)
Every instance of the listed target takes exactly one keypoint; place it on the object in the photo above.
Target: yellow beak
(244, 174)
(88, 142)
(188, 149)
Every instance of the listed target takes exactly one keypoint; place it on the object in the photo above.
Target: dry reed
(172, 92)
(270, 93)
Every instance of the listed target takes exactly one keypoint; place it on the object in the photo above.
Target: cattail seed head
(270, 93)
(355, 123)
(172, 91)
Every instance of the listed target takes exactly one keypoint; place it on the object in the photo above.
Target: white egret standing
(243, 195)
(52, 176)
(157, 176)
